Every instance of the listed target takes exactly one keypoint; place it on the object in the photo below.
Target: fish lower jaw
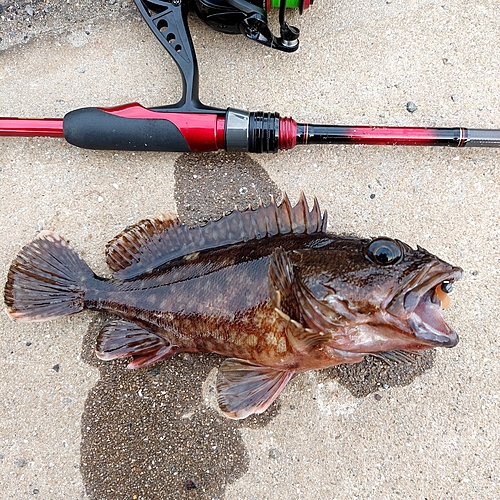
(427, 333)
(386, 334)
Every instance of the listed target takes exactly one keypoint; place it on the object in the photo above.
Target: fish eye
(384, 251)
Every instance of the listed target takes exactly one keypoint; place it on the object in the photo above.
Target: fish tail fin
(47, 280)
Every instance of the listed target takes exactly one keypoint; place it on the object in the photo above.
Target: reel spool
(249, 17)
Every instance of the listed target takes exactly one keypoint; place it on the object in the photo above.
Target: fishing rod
(191, 126)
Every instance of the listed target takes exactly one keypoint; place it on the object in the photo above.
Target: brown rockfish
(269, 288)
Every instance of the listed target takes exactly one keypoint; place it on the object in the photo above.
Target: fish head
(381, 293)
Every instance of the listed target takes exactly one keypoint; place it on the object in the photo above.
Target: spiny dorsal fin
(156, 241)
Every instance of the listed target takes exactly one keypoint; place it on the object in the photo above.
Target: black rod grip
(93, 128)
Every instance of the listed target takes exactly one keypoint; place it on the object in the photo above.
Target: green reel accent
(290, 4)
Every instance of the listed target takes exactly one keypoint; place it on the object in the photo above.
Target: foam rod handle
(132, 127)
(94, 128)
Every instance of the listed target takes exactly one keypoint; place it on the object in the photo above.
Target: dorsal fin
(156, 241)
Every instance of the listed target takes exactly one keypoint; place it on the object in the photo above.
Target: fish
(268, 288)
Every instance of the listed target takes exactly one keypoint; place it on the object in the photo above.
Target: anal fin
(120, 339)
(245, 388)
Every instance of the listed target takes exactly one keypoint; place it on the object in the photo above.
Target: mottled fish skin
(268, 288)
(215, 302)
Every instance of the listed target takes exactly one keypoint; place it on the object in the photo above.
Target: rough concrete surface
(74, 427)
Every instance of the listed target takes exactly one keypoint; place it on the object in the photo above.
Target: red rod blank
(32, 127)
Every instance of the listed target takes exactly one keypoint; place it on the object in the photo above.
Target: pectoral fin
(296, 305)
(245, 388)
(396, 357)
(120, 339)
(282, 286)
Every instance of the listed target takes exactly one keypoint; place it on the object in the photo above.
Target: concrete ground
(74, 427)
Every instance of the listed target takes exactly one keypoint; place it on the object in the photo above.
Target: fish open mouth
(423, 303)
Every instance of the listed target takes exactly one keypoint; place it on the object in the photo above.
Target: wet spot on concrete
(372, 374)
(147, 434)
(210, 185)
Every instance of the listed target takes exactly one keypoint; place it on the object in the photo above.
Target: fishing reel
(168, 20)
(250, 19)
